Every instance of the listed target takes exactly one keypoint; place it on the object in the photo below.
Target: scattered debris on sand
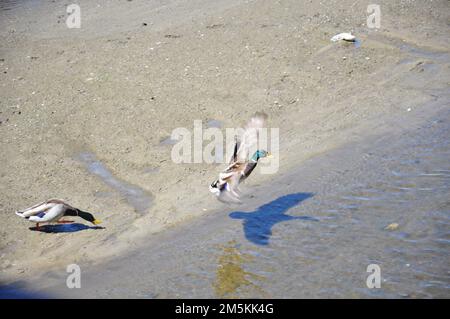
(344, 37)
(393, 226)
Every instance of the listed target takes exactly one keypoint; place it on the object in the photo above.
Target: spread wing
(237, 144)
(250, 136)
(239, 167)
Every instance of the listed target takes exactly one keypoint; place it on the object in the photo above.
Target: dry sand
(116, 88)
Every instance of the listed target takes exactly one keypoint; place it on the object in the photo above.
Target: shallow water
(6, 5)
(312, 234)
(136, 197)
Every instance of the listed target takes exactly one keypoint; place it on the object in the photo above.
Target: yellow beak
(269, 155)
(96, 222)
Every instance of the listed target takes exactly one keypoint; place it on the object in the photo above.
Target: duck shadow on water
(64, 228)
(258, 224)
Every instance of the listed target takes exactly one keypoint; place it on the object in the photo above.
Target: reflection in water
(231, 276)
(258, 224)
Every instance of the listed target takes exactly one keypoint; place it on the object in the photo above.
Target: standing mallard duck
(241, 164)
(52, 210)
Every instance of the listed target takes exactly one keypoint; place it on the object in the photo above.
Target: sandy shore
(116, 88)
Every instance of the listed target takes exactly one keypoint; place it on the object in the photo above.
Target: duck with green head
(241, 164)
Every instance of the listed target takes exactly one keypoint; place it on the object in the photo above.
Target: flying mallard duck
(52, 210)
(241, 164)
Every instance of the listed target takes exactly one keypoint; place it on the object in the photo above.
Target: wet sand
(116, 89)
